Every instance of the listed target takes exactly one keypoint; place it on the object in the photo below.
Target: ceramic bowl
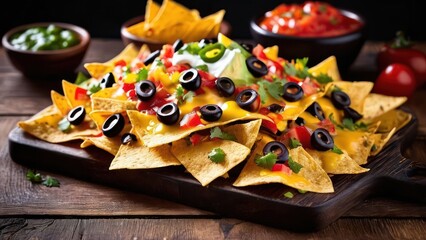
(47, 63)
(344, 47)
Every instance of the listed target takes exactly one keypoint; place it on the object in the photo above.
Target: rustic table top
(82, 209)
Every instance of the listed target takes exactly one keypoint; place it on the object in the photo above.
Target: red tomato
(395, 80)
(270, 125)
(279, 167)
(300, 133)
(402, 51)
(190, 120)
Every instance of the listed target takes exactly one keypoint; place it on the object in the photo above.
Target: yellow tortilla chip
(98, 70)
(334, 163)
(60, 102)
(245, 133)
(380, 141)
(311, 176)
(357, 92)
(196, 161)
(76, 95)
(327, 66)
(395, 118)
(357, 144)
(378, 104)
(112, 99)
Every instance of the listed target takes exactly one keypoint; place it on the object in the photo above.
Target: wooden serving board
(390, 175)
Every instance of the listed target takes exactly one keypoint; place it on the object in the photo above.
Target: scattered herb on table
(37, 178)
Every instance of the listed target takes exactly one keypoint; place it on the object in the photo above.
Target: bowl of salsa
(46, 49)
(311, 29)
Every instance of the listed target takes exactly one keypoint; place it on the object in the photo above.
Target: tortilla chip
(395, 118)
(245, 133)
(98, 70)
(357, 144)
(76, 95)
(380, 141)
(60, 102)
(334, 163)
(196, 161)
(110, 145)
(155, 134)
(378, 104)
(45, 126)
(327, 66)
(136, 156)
(112, 99)
(357, 92)
(311, 177)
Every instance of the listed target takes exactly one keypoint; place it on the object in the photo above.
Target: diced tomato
(196, 138)
(293, 79)
(167, 51)
(327, 124)
(177, 68)
(149, 106)
(128, 86)
(270, 125)
(309, 87)
(300, 133)
(131, 94)
(279, 167)
(258, 52)
(120, 63)
(167, 62)
(190, 120)
(264, 111)
(81, 94)
(208, 80)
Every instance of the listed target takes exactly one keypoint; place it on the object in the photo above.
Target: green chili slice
(212, 52)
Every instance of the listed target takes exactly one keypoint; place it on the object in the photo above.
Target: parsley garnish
(323, 78)
(266, 161)
(37, 178)
(216, 132)
(294, 166)
(181, 96)
(349, 124)
(298, 69)
(336, 150)
(192, 48)
(142, 75)
(274, 88)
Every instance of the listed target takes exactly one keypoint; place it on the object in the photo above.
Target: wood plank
(346, 228)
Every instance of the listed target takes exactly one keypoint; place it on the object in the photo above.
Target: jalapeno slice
(212, 52)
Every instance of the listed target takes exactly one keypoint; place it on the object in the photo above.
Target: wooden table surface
(85, 210)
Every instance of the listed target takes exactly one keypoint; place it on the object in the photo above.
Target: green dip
(44, 38)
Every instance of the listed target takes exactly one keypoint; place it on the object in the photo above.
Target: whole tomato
(401, 51)
(395, 80)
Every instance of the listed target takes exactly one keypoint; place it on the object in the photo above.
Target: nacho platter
(188, 176)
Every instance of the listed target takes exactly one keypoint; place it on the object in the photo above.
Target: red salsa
(309, 19)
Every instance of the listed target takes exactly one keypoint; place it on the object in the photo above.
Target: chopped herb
(348, 123)
(36, 177)
(288, 195)
(142, 74)
(302, 191)
(262, 92)
(298, 69)
(181, 96)
(294, 143)
(216, 132)
(274, 88)
(192, 48)
(203, 67)
(323, 78)
(95, 88)
(187, 97)
(81, 78)
(373, 148)
(266, 161)
(294, 166)
(64, 125)
(337, 150)
(217, 155)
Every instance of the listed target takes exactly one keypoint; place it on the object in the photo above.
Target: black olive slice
(278, 148)
(128, 138)
(145, 90)
(321, 140)
(168, 113)
(113, 125)
(178, 44)
(340, 99)
(292, 91)
(225, 86)
(76, 115)
(211, 112)
(107, 81)
(151, 57)
(256, 67)
(349, 112)
(300, 121)
(190, 79)
(249, 100)
(275, 108)
(315, 110)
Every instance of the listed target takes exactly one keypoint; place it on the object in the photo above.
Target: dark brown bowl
(47, 63)
(344, 47)
(127, 38)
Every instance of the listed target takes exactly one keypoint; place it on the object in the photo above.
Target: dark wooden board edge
(264, 204)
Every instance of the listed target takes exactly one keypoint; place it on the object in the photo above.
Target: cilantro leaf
(294, 166)
(203, 67)
(337, 150)
(217, 155)
(142, 75)
(294, 143)
(37, 178)
(323, 78)
(266, 161)
(216, 132)
(298, 69)
(188, 96)
(95, 88)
